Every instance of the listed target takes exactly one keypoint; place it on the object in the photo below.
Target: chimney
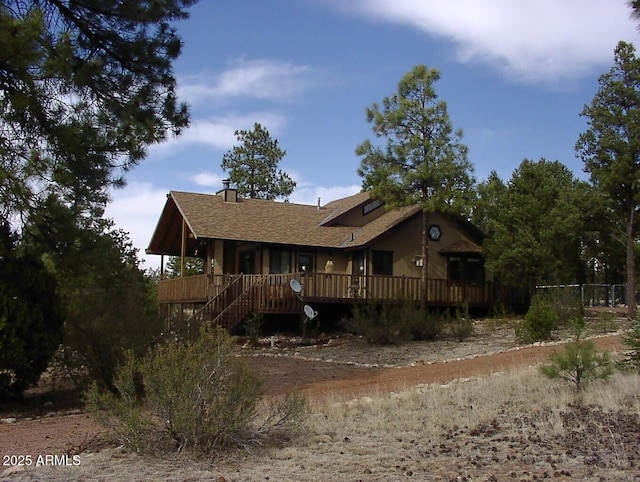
(228, 194)
(318, 204)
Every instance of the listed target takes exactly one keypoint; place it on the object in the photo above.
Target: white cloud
(537, 40)
(136, 209)
(218, 132)
(310, 194)
(261, 79)
(208, 179)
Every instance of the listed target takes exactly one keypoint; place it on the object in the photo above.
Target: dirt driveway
(316, 378)
(316, 371)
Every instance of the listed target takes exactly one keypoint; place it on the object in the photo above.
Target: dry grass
(509, 426)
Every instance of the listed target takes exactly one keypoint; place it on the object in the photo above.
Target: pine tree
(424, 161)
(253, 166)
(610, 150)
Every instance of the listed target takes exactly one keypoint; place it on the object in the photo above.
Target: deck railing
(192, 289)
(274, 294)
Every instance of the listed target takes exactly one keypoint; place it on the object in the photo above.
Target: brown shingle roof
(381, 225)
(341, 206)
(257, 220)
(461, 246)
(208, 216)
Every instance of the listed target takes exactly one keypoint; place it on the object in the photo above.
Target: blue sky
(515, 76)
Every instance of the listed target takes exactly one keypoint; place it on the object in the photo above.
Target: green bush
(379, 325)
(460, 324)
(393, 322)
(580, 363)
(631, 339)
(425, 325)
(31, 319)
(252, 327)
(606, 323)
(193, 395)
(539, 322)
(566, 302)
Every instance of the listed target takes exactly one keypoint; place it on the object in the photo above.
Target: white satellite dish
(311, 314)
(295, 286)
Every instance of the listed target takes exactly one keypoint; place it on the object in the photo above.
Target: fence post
(613, 295)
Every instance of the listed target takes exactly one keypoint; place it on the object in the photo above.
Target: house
(351, 250)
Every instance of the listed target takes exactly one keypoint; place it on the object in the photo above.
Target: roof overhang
(461, 247)
(167, 237)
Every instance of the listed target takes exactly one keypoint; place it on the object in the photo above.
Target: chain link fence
(591, 295)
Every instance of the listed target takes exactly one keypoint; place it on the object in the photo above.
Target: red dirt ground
(58, 434)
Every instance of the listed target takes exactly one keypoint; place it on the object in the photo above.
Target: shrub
(632, 341)
(539, 322)
(368, 321)
(190, 395)
(426, 325)
(606, 322)
(393, 322)
(566, 302)
(460, 324)
(252, 327)
(110, 303)
(580, 363)
(31, 319)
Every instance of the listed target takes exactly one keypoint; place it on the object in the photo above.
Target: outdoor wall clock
(434, 232)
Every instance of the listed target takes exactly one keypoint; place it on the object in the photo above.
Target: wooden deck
(272, 293)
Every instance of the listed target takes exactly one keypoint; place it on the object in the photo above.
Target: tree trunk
(631, 267)
(425, 260)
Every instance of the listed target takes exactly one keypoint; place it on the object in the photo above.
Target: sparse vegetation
(515, 426)
(460, 324)
(579, 363)
(539, 322)
(190, 396)
(606, 322)
(394, 322)
(566, 302)
(632, 341)
(252, 327)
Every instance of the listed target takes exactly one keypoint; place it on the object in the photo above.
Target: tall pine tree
(253, 166)
(424, 161)
(610, 150)
(85, 87)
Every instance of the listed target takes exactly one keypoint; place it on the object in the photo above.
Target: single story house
(351, 250)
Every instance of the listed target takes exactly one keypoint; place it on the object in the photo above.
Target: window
(279, 261)
(357, 267)
(455, 268)
(382, 262)
(305, 263)
(475, 270)
(466, 269)
(375, 204)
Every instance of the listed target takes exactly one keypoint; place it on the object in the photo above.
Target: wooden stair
(232, 305)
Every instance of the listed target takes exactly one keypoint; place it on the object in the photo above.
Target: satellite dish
(295, 286)
(311, 314)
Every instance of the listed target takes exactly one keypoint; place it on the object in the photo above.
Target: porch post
(183, 250)
(424, 295)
